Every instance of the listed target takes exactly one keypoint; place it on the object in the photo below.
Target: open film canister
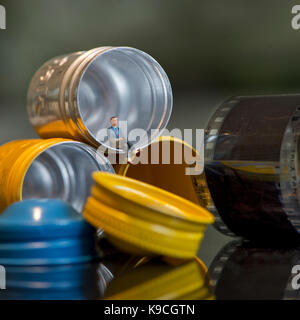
(252, 167)
(76, 95)
(50, 168)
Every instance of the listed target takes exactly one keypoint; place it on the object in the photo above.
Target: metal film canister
(75, 95)
(51, 168)
(252, 167)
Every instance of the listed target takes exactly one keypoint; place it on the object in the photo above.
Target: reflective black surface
(239, 270)
(242, 270)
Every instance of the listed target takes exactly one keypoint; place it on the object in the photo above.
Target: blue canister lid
(44, 232)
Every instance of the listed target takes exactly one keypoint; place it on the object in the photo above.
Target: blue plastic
(45, 232)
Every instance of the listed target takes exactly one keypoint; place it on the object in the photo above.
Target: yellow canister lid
(164, 164)
(129, 192)
(143, 219)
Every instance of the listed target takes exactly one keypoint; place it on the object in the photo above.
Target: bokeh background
(211, 49)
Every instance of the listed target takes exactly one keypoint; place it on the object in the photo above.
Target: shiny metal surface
(74, 96)
(64, 171)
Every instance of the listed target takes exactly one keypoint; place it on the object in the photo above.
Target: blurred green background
(233, 45)
(210, 49)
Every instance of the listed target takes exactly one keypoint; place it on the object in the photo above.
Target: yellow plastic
(15, 159)
(146, 220)
(135, 195)
(156, 281)
(170, 177)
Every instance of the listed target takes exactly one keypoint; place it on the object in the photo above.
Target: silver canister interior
(127, 83)
(64, 171)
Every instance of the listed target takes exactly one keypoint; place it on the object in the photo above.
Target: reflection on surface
(243, 271)
(116, 276)
(70, 282)
(164, 279)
